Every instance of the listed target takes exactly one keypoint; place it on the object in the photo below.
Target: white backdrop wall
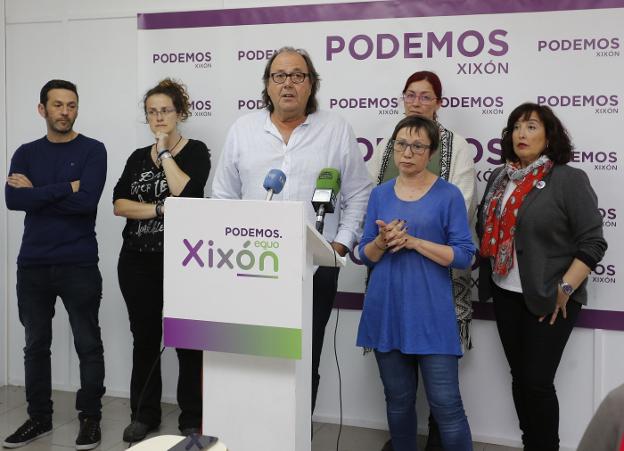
(94, 44)
(362, 86)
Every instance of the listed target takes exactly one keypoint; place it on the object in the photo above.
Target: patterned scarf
(500, 221)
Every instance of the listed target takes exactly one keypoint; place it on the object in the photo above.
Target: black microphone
(274, 182)
(325, 194)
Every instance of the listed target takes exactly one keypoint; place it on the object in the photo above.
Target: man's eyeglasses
(402, 146)
(425, 99)
(295, 77)
(165, 112)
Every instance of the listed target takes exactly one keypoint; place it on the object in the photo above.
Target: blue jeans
(399, 374)
(80, 288)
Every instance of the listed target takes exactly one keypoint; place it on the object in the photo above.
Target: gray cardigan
(555, 224)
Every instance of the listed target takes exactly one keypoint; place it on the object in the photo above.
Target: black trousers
(325, 285)
(80, 289)
(141, 283)
(533, 350)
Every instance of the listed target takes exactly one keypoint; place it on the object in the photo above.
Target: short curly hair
(176, 91)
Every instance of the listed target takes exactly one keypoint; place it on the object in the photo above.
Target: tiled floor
(115, 414)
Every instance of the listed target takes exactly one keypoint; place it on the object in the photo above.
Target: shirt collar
(270, 127)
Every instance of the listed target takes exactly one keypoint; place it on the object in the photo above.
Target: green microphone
(325, 194)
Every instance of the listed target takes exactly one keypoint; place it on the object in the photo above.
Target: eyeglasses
(425, 99)
(415, 148)
(165, 112)
(295, 77)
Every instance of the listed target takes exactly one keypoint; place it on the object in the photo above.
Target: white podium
(238, 285)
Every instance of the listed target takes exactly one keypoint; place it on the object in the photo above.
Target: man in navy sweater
(58, 180)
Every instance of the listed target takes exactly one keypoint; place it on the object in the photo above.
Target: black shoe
(27, 432)
(190, 431)
(136, 431)
(387, 446)
(90, 434)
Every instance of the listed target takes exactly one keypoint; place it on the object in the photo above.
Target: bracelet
(378, 246)
(164, 156)
(160, 154)
(159, 211)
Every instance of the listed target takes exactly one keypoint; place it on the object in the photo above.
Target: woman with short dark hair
(453, 162)
(416, 229)
(541, 235)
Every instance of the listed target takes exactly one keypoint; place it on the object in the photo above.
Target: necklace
(175, 145)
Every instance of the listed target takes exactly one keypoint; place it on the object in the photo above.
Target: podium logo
(254, 259)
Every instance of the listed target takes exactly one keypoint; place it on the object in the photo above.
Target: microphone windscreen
(274, 180)
(329, 178)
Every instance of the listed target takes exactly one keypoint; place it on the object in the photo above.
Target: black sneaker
(90, 434)
(136, 431)
(27, 432)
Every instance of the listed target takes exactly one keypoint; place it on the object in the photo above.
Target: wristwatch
(566, 288)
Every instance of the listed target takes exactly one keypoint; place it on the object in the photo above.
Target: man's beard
(64, 129)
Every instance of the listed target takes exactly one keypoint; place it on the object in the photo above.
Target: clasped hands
(393, 236)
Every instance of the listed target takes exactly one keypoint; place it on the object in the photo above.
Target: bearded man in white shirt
(292, 134)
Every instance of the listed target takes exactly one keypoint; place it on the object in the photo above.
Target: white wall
(93, 43)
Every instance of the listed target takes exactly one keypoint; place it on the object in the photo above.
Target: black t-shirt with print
(143, 181)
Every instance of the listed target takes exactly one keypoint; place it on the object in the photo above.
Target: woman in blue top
(416, 230)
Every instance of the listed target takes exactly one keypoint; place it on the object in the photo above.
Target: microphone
(274, 182)
(325, 194)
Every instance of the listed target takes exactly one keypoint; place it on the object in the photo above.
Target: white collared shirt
(254, 146)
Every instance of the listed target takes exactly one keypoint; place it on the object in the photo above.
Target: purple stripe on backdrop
(590, 319)
(358, 11)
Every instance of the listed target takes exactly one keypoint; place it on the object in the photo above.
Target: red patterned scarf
(500, 225)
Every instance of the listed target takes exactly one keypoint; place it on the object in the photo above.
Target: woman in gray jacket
(541, 235)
